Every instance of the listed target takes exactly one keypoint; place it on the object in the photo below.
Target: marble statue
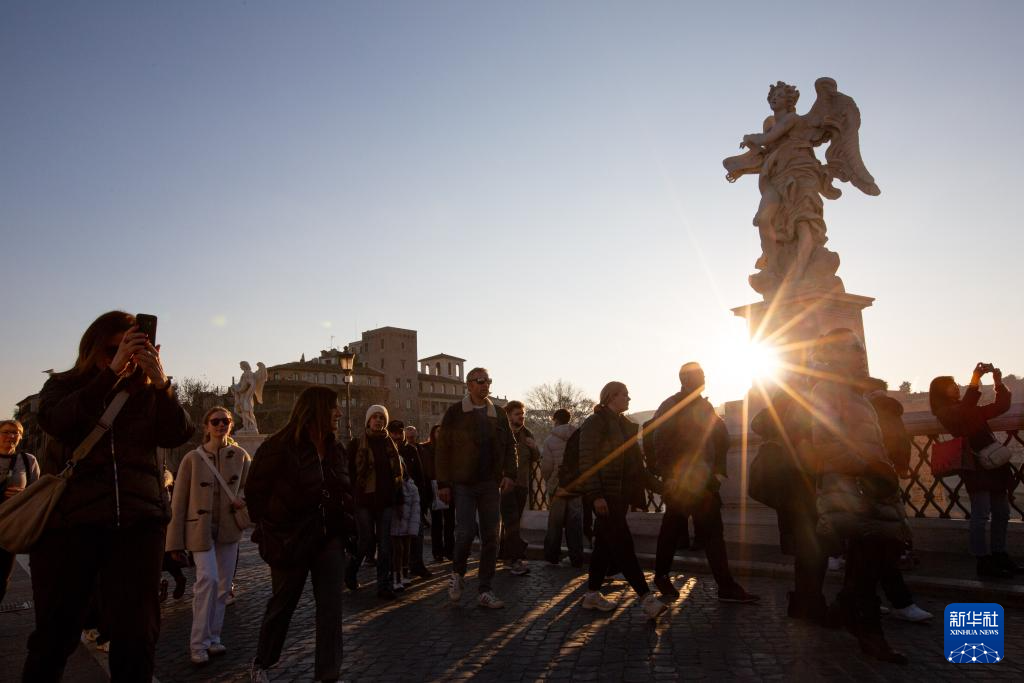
(792, 181)
(247, 392)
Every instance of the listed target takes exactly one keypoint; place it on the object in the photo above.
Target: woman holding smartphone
(110, 521)
(203, 522)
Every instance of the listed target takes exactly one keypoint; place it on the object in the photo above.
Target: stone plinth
(792, 322)
(250, 442)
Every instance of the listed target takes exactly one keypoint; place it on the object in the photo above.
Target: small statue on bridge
(247, 392)
(790, 218)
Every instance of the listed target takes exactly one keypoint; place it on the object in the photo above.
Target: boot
(1005, 562)
(863, 622)
(874, 645)
(989, 569)
(179, 587)
(351, 576)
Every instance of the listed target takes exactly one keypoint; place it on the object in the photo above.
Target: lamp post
(347, 361)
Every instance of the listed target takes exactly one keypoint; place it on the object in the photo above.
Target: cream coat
(190, 527)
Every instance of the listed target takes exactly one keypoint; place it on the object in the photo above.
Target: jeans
(374, 528)
(707, 523)
(613, 542)
(512, 547)
(983, 504)
(483, 499)
(214, 570)
(287, 584)
(66, 564)
(442, 532)
(564, 515)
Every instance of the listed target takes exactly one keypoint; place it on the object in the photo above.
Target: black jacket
(457, 457)
(611, 464)
(967, 419)
(686, 435)
(287, 486)
(120, 482)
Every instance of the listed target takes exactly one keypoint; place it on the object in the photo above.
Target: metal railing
(923, 494)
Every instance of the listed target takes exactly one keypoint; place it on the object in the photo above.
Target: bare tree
(544, 399)
(905, 387)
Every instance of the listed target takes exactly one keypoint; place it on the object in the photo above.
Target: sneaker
(199, 657)
(103, 647)
(736, 594)
(489, 600)
(1003, 560)
(520, 568)
(652, 606)
(397, 586)
(594, 600)
(988, 568)
(836, 564)
(406, 580)
(216, 649)
(258, 674)
(665, 587)
(455, 584)
(912, 613)
(884, 611)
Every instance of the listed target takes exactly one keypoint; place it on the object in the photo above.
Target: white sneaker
(911, 613)
(199, 656)
(216, 649)
(455, 584)
(594, 600)
(652, 606)
(884, 611)
(490, 601)
(406, 581)
(397, 585)
(836, 564)
(520, 568)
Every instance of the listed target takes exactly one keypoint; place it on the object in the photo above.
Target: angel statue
(248, 391)
(790, 218)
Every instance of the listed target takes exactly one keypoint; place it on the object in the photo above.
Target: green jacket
(623, 475)
(458, 445)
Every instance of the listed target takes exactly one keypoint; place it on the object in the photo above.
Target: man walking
(690, 447)
(512, 548)
(565, 510)
(476, 462)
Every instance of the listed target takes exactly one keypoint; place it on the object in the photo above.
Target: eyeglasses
(487, 380)
(219, 421)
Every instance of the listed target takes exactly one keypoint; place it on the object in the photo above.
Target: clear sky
(534, 186)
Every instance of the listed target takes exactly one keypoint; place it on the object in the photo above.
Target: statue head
(245, 366)
(784, 95)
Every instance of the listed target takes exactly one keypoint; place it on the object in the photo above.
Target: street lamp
(347, 361)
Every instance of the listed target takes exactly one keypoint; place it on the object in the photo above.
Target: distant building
(286, 381)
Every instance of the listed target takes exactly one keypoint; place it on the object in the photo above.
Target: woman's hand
(178, 556)
(601, 507)
(149, 360)
(132, 343)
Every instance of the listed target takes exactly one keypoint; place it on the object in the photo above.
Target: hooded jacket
(552, 449)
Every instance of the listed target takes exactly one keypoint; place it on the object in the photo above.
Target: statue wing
(259, 379)
(837, 119)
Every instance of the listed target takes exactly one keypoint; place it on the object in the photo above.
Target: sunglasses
(483, 381)
(220, 421)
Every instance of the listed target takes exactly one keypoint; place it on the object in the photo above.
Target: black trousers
(867, 560)
(799, 537)
(287, 585)
(707, 523)
(442, 532)
(613, 543)
(66, 564)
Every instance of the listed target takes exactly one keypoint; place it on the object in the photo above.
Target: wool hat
(396, 426)
(375, 409)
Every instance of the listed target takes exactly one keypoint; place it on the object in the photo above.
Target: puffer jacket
(458, 447)
(191, 526)
(552, 449)
(622, 476)
(120, 481)
(858, 490)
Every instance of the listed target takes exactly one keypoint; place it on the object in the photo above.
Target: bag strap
(216, 473)
(102, 427)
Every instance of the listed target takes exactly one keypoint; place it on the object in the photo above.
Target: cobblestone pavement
(542, 633)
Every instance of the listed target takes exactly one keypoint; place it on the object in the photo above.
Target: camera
(985, 367)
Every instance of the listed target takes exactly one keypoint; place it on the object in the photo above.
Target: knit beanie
(376, 409)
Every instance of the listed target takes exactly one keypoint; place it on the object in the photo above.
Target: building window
(382, 344)
(403, 346)
(403, 364)
(437, 368)
(381, 363)
(408, 384)
(277, 376)
(398, 383)
(449, 369)
(408, 404)
(431, 387)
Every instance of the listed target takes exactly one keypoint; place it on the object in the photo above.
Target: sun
(738, 364)
(762, 361)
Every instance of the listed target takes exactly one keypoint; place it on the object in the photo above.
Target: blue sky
(536, 187)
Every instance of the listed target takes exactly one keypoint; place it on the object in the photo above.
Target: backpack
(569, 470)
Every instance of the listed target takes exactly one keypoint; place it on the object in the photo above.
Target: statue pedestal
(790, 323)
(250, 442)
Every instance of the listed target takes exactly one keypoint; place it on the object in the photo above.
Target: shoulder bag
(24, 517)
(241, 514)
(950, 457)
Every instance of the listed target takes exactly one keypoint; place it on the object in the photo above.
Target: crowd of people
(831, 456)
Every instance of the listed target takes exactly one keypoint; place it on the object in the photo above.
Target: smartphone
(147, 325)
